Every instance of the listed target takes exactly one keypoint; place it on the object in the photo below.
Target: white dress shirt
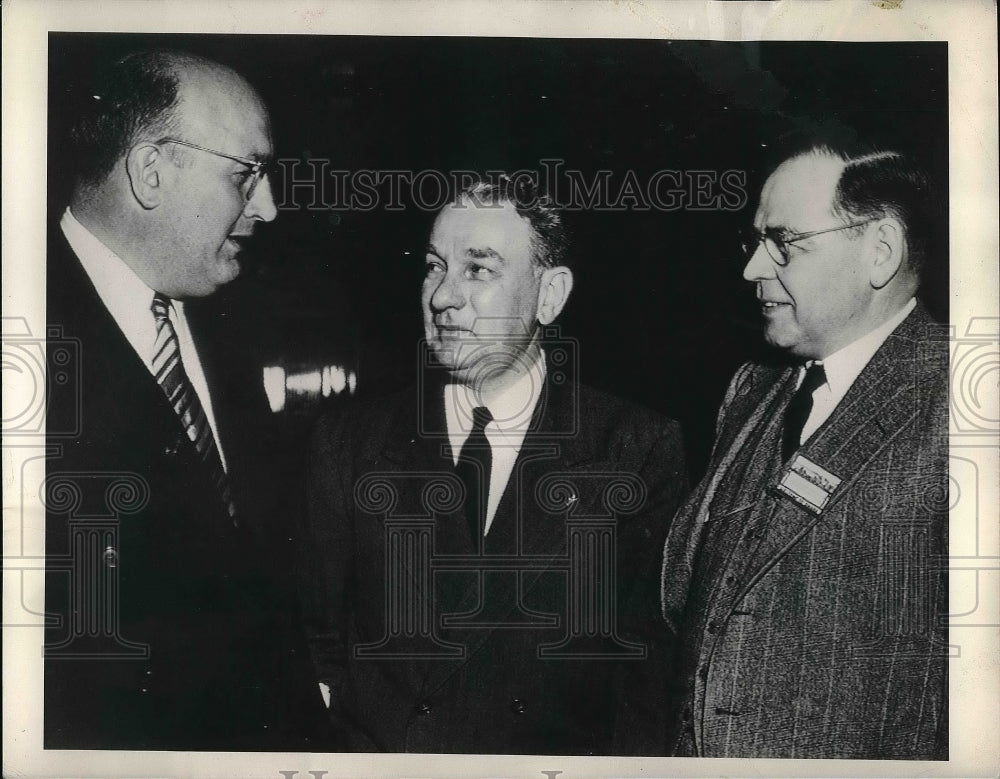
(128, 300)
(843, 367)
(512, 411)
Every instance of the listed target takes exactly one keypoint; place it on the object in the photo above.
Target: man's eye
(433, 266)
(479, 272)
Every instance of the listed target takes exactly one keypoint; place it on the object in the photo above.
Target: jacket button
(423, 708)
(111, 557)
(713, 627)
(517, 706)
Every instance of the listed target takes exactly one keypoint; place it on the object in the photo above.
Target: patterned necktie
(170, 375)
(475, 462)
(799, 407)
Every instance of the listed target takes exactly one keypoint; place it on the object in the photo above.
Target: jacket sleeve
(642, 713)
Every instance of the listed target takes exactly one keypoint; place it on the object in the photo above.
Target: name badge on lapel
(808, 484)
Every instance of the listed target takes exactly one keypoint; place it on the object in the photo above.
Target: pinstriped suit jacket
(819, 635)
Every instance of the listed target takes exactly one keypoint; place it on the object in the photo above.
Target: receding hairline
(194, 73)
(205, 83)
(806, 156)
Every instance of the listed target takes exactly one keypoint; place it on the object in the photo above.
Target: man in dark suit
(166, 626)
(806, 577)
(481, 573)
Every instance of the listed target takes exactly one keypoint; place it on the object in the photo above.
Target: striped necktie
(170, 375)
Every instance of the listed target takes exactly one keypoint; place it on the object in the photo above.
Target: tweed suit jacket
(819, 634)
(501, 674)
(167, 626)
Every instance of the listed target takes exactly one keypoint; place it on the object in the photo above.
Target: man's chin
(227, 269)
(480, 366)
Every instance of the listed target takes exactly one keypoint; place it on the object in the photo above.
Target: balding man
(806, 576)
(167, 629)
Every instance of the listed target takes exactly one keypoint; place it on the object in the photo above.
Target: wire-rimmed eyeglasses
(258, 168)
(776, 242)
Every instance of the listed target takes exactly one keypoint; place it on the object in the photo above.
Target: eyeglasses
(258, 168)
(776, 243)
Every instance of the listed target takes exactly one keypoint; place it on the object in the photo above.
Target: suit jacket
(427, 647)
(819, 633)
(167, 625)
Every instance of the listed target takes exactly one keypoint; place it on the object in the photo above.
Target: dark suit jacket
(380, 612)
(167, 625)
(819, 635)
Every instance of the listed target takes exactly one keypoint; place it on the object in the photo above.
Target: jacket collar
(880, 405)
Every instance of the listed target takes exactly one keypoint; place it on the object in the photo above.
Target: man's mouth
(452, 333)
(239, 240)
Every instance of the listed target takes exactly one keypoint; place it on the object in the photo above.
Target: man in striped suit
(806, 577)
(167, 627)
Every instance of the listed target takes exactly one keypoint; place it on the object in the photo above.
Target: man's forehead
(223, 108)
(478, 229)
(800, 192)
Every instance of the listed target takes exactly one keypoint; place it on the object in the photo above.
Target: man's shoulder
(614, 422)
(598, 404)
(365, 422)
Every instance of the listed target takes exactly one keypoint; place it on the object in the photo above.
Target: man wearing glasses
(166, 627)
(806, 577)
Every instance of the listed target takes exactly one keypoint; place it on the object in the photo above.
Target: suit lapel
(521, 527)
(758, 400)
(880, 404)
(75, 305)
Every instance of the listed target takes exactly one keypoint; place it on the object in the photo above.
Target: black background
(660, 312)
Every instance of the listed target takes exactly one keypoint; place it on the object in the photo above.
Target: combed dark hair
(135, 96)
(886, 183)
(550, 238)
(880, 182)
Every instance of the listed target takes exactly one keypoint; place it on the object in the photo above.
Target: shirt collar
(512, 409)
(843, 366)
(125, 295)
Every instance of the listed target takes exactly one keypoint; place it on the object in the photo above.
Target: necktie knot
(160, 308)
(481, 417)
(814, 379)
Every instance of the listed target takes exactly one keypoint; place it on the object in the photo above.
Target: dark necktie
(475, 462)
(799, 407)
(170, 375)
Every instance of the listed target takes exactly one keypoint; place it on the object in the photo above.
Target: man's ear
(144, 166)
(555, 285)
(888, 252)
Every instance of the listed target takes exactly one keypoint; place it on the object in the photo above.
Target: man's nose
(261, 206)
(760, 265)
(448, 293)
